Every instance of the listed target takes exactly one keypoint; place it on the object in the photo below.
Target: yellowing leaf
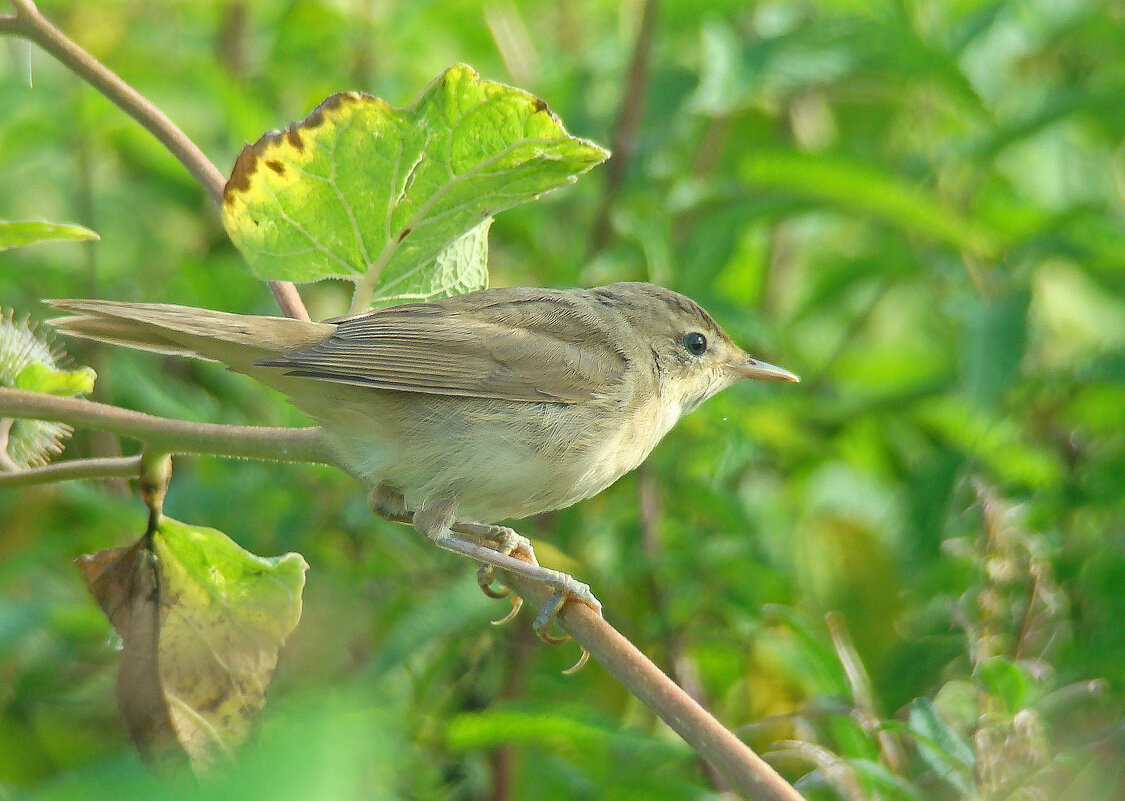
(202, 622)
(37, 377)
(374, 194)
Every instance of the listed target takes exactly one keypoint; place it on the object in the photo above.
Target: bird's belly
(497, 459)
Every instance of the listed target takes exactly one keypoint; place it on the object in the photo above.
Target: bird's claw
(485, 576)
(545, 619)
(517, 604)
(565, 587)
(577, 666)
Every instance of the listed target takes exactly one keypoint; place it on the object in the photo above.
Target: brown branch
(628, 120)
(747, 771)
(29, 24)
(113, 467)
(651, 509)
(172, 436)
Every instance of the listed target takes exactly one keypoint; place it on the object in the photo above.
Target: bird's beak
(763, 371)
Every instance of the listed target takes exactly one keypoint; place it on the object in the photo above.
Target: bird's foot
(435, 522)
(564, 590)
(508, 542)
(503, 539)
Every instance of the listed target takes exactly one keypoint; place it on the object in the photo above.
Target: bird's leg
(434, 521)
(389, 504)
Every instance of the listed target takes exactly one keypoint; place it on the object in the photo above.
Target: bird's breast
(498, 459)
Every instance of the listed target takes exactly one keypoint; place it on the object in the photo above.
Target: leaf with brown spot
(397, 200)
(201, 621)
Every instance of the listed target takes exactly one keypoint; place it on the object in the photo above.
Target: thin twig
(28, 23)
(628, 120)
(173, 436)
(651, 509)
(747, 771)
(113, 467)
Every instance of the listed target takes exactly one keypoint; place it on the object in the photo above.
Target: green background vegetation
(917, 206)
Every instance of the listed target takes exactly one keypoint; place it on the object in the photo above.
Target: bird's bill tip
(763, 371)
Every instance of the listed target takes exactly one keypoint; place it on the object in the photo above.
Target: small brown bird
(495, 404)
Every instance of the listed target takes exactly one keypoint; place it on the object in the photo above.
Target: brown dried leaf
(202, 622)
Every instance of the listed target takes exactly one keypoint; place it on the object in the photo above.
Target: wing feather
(539, 346)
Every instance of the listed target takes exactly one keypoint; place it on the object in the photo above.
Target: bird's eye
(695, 343)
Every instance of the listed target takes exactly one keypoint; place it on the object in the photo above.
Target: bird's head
(692, 356)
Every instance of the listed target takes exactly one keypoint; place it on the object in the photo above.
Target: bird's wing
(547, 347)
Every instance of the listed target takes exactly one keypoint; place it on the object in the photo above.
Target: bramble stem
(29, 24)
(747, 771)
(108, 467)
(173, 436)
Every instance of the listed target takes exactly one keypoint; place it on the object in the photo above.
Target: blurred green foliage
(916, 205)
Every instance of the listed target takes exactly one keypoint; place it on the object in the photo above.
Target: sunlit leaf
(15, 234)
(997, 441)
(38, 377)
(460, 267)
(373, 194)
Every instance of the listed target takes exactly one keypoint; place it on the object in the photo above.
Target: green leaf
(201, 622)
(814, 656)
(551, 730)
(995, 341)
(1007, 681)
(867, 189)
(255, 593)
(37, 377)
(950, 757)
(461, 267)
(999, 442)
(28, 362)
(366, 192)
(497, 727)
(881, 780)
(16, 234)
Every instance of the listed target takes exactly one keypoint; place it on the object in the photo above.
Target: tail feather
(237, 340)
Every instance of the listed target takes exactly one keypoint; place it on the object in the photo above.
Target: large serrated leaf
(202, 622)
(373, 194)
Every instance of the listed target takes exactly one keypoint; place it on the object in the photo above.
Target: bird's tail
(237, 340)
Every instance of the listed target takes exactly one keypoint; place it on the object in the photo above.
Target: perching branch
(747, 771)
(173, 436)
(107, 467)
(29, 24)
